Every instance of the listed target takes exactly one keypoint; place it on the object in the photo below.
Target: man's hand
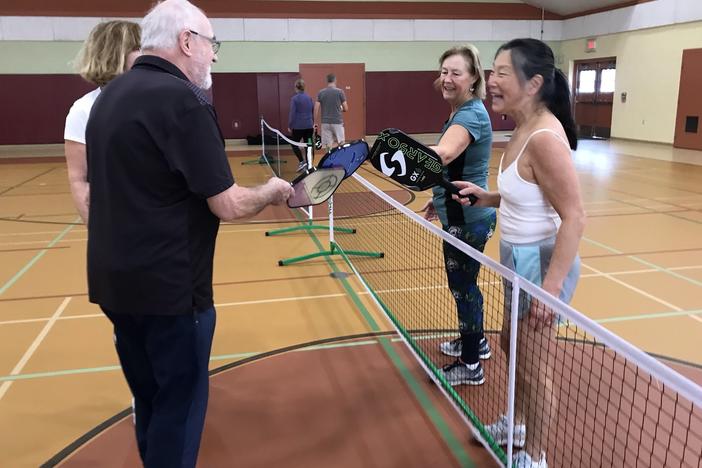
(281, 189)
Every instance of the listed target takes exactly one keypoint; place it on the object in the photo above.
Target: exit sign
(590, 44)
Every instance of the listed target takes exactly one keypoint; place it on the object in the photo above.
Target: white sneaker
(523, 460)
(499, 431)
(455, 347)
(458, 373)
(302, 166)
(452, 348)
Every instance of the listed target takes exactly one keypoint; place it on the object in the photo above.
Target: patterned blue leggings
(462, 272)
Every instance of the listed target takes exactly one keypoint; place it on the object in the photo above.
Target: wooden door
(594, 93)
(274, 92)
(688, 128)
(351, 79)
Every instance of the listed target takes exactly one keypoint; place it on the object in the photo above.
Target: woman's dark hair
(533, 57)
(300, 84)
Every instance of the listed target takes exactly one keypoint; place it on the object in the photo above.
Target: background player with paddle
(464, 149)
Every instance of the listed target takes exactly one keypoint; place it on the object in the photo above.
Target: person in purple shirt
(300, 123)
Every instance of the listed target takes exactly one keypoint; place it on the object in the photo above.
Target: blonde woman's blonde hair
(472, 58)
(104, 54)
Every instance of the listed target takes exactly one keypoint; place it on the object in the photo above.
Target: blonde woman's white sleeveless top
(525, 215)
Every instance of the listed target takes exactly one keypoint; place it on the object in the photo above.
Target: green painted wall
(56, 57)
(648, 66)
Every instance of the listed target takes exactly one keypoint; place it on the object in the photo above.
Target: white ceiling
(570, 7)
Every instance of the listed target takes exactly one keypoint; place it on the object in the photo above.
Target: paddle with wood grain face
(410, 163)
(315, 186)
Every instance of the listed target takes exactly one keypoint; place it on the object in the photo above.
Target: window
(586, 81)
(607, 80)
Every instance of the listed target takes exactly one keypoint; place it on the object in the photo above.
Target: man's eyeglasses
(214, 42)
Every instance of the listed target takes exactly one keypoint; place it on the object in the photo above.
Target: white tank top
(525, 215)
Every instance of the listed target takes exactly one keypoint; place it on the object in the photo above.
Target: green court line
(454, 444)
(456, 448)
(35, 259)
(644, 262)
(219, 357)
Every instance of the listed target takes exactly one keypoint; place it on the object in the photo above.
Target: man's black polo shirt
(155, 154)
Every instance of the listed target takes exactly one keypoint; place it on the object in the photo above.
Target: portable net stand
(347, 158)
(284, 166)
(267, 147)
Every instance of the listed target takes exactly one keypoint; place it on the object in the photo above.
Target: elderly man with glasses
(160, 184)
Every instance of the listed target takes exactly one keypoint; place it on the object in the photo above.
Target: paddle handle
(453, 189)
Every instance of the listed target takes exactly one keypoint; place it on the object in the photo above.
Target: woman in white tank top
(109, 51)
(541, 219)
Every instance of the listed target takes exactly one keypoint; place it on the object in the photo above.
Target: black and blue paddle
(350, 156)
(410, 163)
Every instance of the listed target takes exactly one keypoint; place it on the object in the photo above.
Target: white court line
(696, 318)
(638, 272)
(44, 319)
(635, 289)
(692, 314)
(33, 347)
(282, 299)
(37, 233)
(85, 239)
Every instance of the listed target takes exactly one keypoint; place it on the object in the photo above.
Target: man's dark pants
(165, 361)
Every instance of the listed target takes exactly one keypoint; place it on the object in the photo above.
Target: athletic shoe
(455, 347)
(523, 460)
(499, 431)
(458, 373)
(484, 349)
(452, 348)
(302, 166)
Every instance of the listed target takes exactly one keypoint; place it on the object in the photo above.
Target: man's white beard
(207, 82)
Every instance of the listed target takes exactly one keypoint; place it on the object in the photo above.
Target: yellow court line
(33, 347)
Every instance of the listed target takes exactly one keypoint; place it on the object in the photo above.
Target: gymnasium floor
(59, 374)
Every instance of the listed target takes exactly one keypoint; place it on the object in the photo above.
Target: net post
(512, 372)
(330, 203)
(277, 153)
(308, 160)
(263, 140)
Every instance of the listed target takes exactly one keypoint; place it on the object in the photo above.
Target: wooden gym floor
(59, 374)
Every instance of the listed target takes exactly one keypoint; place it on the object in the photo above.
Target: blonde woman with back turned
(109, 51)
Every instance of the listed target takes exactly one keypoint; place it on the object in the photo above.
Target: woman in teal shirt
(464, 148)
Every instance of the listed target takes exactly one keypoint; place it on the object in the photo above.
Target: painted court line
(643, 262)
(214, 358)
(34, 260)
(634, 288)
(33, 347)
(37, 233)
(650, 265)
(675, 313)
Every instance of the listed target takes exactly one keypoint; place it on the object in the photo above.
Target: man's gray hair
(162, 25)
